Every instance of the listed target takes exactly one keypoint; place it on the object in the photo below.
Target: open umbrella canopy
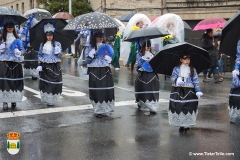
(7, 13)
(126, 17)
(63, 15)
(149, 32)
(230, 36)
(169, 57)
(93, 20)
(210, 23)
(66, 38)
(155, 20)
(38, 13)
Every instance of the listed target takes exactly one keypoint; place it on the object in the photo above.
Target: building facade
(20, 5)
(186, 9)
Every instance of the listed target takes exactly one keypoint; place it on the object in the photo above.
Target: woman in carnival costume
(172, 24)
(129, 50)
(11, 75)
(234, 96)
(101, 87)
(134, 48)
(183, 105)
(49, 54)
(147, 82)
(30, 56)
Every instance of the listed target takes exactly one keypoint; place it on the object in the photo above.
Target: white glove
(2, 46)
(39, 68)
(235, 73)
(108, 58)
(57, 50)
(147, 56)
(92, 53)
(199, 94)
(17, 53)
(179, 81)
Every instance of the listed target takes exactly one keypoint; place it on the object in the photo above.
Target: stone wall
(187, 9)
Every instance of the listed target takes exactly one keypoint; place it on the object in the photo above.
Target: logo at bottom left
(13, 142)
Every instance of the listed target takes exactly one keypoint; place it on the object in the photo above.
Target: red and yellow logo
(13, 142)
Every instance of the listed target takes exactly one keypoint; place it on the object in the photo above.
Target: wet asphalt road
(69, 130)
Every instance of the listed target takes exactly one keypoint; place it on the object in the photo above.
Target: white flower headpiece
(48, 28)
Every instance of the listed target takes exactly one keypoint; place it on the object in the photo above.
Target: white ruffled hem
(11, 96)
(182, 120)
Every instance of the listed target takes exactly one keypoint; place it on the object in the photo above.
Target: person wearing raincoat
(116, 48)
(11, 74)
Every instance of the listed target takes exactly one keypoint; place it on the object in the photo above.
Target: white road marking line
(62, 109)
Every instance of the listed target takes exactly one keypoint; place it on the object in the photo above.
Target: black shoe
(49, 104)
(99, 116)
(186, 129)
(153, 112)
(34, 78)
(5, 106)
(13, 105)
(181, 129)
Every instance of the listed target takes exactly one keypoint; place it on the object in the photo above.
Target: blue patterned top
(8, 54)
(98, 60)
(50, 58)
(191, 81)
(237, 61)
(142, 64)
(235, 81)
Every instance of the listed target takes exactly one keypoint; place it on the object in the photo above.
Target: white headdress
(48, 28)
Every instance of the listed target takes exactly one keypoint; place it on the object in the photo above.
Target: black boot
(181, 129)
(5, 106)
(99, 116)
(186, 129)
(13, 105)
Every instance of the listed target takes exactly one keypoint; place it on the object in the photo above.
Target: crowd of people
(98, 56)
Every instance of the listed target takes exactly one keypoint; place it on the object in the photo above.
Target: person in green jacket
(116, 48)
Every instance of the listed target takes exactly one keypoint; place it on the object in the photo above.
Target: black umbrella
(169, 57)
(94, 20)
(37, 34)
(7, 13)
(186, 26)
(149, 32)
(126, 17)
(230, 36)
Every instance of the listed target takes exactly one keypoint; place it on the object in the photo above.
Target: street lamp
(70, 6)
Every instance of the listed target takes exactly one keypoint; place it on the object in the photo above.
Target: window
(17, 7)
(22, 8)
(31, 3)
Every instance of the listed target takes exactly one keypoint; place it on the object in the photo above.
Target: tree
(78, 6)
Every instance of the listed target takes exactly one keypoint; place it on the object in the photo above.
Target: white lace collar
(47, 48)
(184, 71)
(9, 39)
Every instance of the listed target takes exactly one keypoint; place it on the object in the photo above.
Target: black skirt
(50, 83)
(147, 91)
(30, 59)
(234, 105)
(11, 81)
(183, 107)
(101, 89)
